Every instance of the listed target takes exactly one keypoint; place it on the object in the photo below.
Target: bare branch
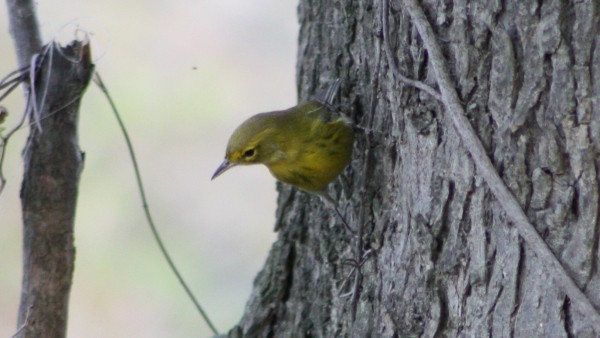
(24, 29)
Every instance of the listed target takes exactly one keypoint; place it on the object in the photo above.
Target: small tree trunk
(436, 254)
(53, 163)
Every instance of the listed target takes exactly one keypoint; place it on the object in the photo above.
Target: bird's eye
(249, 152)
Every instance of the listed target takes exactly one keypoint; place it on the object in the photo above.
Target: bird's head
(253, 142)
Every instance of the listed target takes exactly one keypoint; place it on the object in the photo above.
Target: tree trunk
(53, 162)
(437, 253)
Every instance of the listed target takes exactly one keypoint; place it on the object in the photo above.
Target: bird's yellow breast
(314, 153)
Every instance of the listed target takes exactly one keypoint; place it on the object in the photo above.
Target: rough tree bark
(440, 256)
(53, 163)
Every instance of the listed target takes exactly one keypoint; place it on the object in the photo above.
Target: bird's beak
(226, 165)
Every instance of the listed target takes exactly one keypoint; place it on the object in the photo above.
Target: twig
(12, 77)
(138, 177)
(360, 256)
(346, 279)
(27, 75)
(385, 26)
(356, 265)
(9, 90)
(487, 170)
(36, 59)
(24, 325)
(5, 138)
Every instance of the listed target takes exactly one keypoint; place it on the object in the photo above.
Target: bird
(306, 146)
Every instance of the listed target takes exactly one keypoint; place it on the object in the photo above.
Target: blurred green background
(184, 74)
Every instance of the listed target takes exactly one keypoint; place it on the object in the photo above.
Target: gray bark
(53, 162)
(444, 260)
(24, 29)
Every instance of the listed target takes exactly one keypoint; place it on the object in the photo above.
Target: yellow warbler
(306, 146)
